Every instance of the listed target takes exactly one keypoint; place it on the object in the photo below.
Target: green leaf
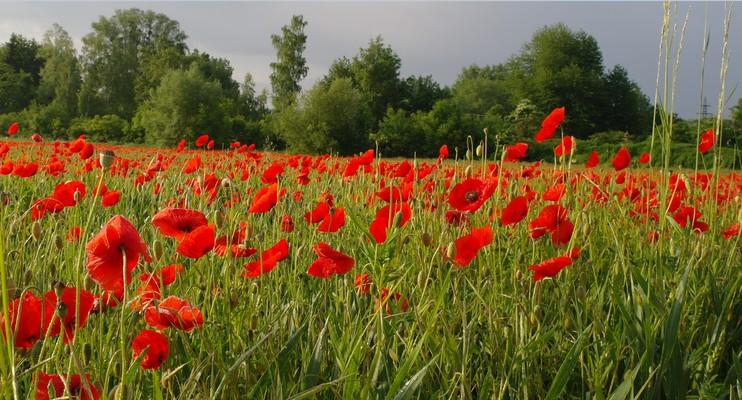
(569, 364)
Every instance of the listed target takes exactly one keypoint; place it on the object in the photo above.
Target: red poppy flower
(37, 138)
(202, 140)
(564, 148)
(268, 260)
(210, 145)
(25, 319)
(387, 298)
(320, 211)
(550, 268)
(469, 245)
(74, 234)
(515, 211)
(732, 231)
(178, 222)
(106, 251)
(622, 159)
(329, 261)
(111, 198)
(87, 151)
(69, 299)
(363, 284)
(266, 198)
(333, 221)
(173, 312)
(76, 387)
(155, 346)
(645, 158)
(13, 128)
(25, 170)
(593, 160)
(181, 145)
(552, 219)
(470, 194)
(197, 243)
(192, 165)
(69, 193)
(386, 216)
(516, 151)
(48, 205)
(550, 124)
(707, 141)
(287, 224)
(443, 153)
(456, 217)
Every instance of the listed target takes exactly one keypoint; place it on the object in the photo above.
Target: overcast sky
(431, 38)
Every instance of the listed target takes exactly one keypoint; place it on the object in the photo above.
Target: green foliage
(376, 73)
(402, 134)
(60, 77)
(290, 66)
(101, 128)
(334, 118)
(184, 106)
(20, 66)
(112, 59)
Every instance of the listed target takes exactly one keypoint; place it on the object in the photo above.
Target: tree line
(135, 80)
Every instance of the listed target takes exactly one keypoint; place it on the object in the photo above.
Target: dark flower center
(472, 196)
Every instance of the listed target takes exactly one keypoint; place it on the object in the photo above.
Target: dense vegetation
(136, 81)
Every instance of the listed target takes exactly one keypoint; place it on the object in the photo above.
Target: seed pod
(158, 250)
(36, 230)
(451, 251)
(226, 183)
(106, 158)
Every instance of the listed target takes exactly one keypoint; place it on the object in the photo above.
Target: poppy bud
(568, 323)
(581, 293)
(420, 278)
(427, 239)
(158, 250)
(468, 171)
(58, 289)
(468, 154)
(486, 131)
(533, 319)
(89, 283)
(87, 353)
(61, 309)
(76, 195)
(53, 269)
(11, 288)
(537, 293)
(220, 219)
(518, 275)
(4, 198)
(479, 149)
(27, 276)
(106, 158)
(36, 230)
(451, 251)
(226, 183)
(58, 242)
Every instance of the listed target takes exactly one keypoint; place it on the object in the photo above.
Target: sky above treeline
(432, 38)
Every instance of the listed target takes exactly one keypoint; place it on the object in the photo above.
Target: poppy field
(213, 270)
